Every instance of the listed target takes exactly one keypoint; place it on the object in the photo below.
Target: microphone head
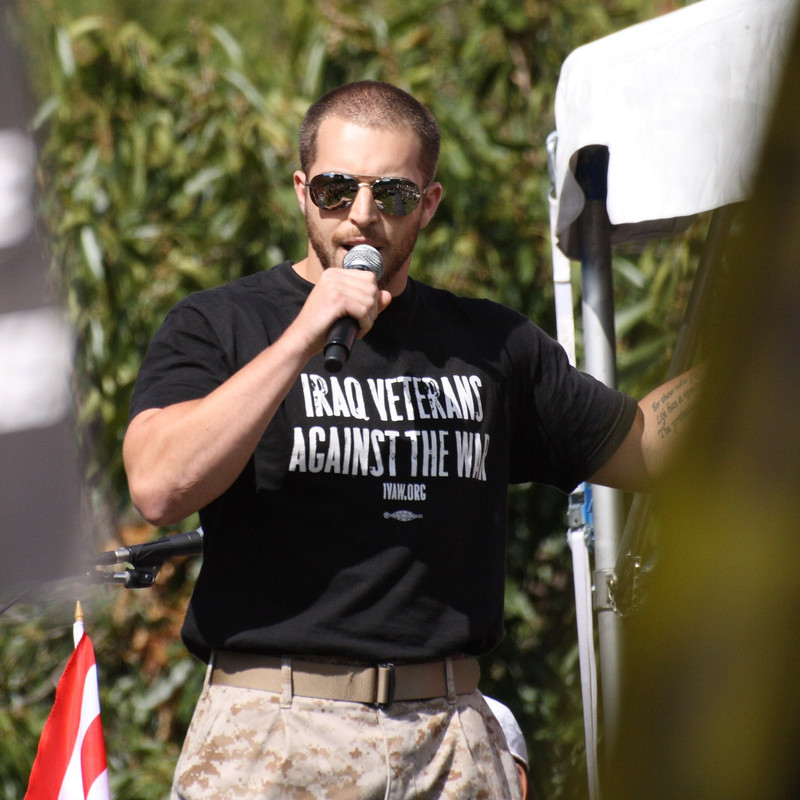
(364, 256)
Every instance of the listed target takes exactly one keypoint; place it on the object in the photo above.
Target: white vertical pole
(600, 356)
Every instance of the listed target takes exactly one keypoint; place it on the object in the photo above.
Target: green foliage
(167, 135)
(165, 172)
(652, 287)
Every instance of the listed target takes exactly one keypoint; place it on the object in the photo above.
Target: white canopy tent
(654, 124)
(681, 102)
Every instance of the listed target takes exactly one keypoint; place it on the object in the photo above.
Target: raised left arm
(660, 422)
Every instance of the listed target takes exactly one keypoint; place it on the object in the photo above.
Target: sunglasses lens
(397, 197)
(330, 191)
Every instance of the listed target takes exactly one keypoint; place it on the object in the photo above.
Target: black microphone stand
(144, 563)
(146, 559)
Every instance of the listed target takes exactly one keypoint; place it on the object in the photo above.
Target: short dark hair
(373, 104)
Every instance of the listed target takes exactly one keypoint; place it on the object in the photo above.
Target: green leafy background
(167, 135)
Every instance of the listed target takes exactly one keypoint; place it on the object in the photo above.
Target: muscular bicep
(627, 468)
(150, 430)
(162, 463)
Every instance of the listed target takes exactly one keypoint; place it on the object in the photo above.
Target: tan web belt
(376, 685)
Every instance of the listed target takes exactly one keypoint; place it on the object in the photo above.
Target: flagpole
(78, 626)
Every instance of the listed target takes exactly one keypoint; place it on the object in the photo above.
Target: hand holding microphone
(344, 331)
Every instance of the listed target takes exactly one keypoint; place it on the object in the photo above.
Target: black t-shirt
(370, 521)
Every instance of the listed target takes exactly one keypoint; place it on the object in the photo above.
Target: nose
(363, 210)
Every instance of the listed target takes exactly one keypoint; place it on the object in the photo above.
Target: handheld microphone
(343, 332)
(155, 552)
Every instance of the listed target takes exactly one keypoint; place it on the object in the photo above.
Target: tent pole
(594, 231)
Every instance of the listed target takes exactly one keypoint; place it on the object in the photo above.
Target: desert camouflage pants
(244, 744)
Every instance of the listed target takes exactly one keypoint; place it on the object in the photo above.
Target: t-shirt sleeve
(185, 361)
(571, 423)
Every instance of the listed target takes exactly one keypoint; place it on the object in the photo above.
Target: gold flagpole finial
(78, 611)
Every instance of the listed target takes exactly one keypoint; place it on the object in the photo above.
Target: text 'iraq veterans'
(420, 451)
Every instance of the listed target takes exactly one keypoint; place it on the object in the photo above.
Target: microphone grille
(364, 256)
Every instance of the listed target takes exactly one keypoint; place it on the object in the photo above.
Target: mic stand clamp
(130, 578)
(140, 577)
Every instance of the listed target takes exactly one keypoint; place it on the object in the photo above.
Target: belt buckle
(384, 694)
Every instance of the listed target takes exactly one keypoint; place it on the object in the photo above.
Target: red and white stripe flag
(70, 763)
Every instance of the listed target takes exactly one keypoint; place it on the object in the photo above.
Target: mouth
(346, 247)
(352, 244)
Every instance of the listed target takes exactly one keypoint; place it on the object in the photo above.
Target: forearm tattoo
(674, 408)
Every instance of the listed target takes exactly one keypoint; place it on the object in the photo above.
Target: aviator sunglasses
(397, 197)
